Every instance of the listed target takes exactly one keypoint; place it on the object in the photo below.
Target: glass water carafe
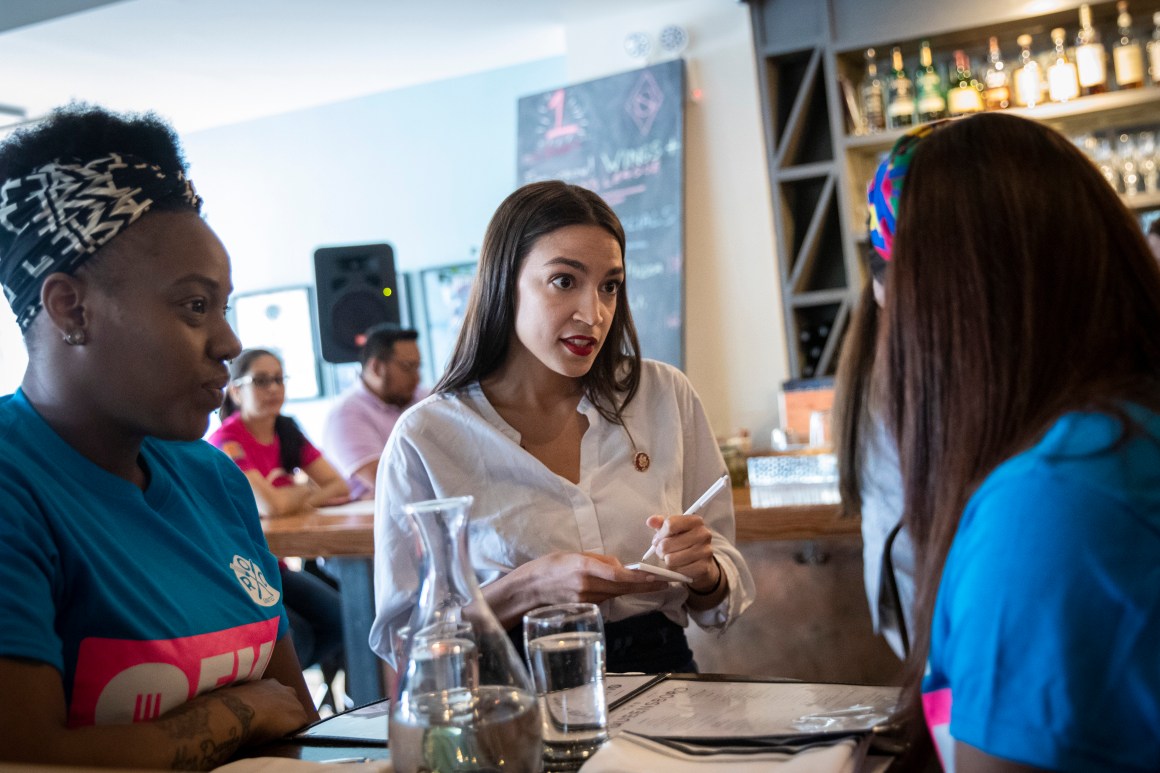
(464, 701)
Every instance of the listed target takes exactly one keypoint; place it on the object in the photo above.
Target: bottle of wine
(996, 80)
(928, 84)
(900, 110)
(1154, 50)
(1127, 55)
(966, 93)
(873, 96)
(1062, 77)
(1090, 56)
(1029, 79)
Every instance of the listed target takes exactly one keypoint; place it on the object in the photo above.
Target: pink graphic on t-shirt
(936, 705)
(121, 680)
(265, 458)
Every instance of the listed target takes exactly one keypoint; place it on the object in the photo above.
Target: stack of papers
(683, 725)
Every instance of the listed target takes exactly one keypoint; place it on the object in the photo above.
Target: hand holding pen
(704, 499)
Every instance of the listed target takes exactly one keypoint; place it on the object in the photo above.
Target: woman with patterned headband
(1022, 383)
(142, 617)
(868, 474)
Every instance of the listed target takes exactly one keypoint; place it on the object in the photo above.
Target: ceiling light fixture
(673, 39)
(637, 45)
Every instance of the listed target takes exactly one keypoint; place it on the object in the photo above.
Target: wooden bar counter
(790, 522)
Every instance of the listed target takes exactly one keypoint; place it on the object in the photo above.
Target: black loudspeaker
(356, 289)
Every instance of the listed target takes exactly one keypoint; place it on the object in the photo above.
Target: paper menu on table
(366, 724)
(683, 708)
(618, 687)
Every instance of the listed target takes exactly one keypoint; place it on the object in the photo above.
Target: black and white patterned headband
(57, 216)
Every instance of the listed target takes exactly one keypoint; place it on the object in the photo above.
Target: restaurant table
(344, 536)
(319, 750)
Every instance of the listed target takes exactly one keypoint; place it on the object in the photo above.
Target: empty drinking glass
(1104, 159)
(1127, 163)
(1146, 152)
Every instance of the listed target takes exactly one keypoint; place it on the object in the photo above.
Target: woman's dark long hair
(853, 397)
(526, 215)
(291, 441)
(1021, 288)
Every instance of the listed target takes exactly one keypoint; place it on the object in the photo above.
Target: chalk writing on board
(623, 137)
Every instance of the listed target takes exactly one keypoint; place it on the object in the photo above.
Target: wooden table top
(349, 530)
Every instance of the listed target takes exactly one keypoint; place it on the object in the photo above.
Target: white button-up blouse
(456, 444)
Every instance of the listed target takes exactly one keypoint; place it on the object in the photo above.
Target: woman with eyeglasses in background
(269, 448)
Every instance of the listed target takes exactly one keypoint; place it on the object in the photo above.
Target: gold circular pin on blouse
(641, 461)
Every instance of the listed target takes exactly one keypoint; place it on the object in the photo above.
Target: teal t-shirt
(1045, 643)
(141, 599)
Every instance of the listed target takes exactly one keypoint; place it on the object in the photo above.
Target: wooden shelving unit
(818, 168)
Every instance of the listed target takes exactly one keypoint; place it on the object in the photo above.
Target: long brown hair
(854, 396)
(526, 215)
(1021, 288)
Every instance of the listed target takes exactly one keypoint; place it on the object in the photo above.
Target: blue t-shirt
(141, 599)
(1045, 643)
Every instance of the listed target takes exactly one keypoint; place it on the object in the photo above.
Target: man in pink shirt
(361, 421)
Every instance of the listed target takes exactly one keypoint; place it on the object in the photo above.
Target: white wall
(422, 168)
(734, 329)
(425, 167)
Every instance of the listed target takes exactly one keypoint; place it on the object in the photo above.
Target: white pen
(703, 500)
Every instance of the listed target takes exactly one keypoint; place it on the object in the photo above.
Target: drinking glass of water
(565, 648)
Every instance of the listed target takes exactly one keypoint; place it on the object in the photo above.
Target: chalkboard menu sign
(623, 137)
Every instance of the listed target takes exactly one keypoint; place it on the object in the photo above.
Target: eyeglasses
(260, 382)
(407, 366)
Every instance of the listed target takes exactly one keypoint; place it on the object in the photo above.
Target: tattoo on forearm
(198, 749)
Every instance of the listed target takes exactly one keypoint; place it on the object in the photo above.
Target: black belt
(651, 643)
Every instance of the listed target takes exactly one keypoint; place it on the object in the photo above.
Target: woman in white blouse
(579, 454)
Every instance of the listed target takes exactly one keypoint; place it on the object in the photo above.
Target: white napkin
(630, 753)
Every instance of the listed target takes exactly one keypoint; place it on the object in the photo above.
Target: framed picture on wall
(282, 321)
(444, 293)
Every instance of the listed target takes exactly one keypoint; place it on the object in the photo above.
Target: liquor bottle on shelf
(1154, 50)
(1127, 55)
(873, 96)
(900, 109)
(1029, 79)
(966, 93)
(1062, 77)
(928, 86)
(996, 80)
(1090, 56)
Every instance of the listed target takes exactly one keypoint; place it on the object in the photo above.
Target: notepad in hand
(659, 571)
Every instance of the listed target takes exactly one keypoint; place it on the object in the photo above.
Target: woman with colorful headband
(868, 474)
(143, 625)
(1022, 372)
